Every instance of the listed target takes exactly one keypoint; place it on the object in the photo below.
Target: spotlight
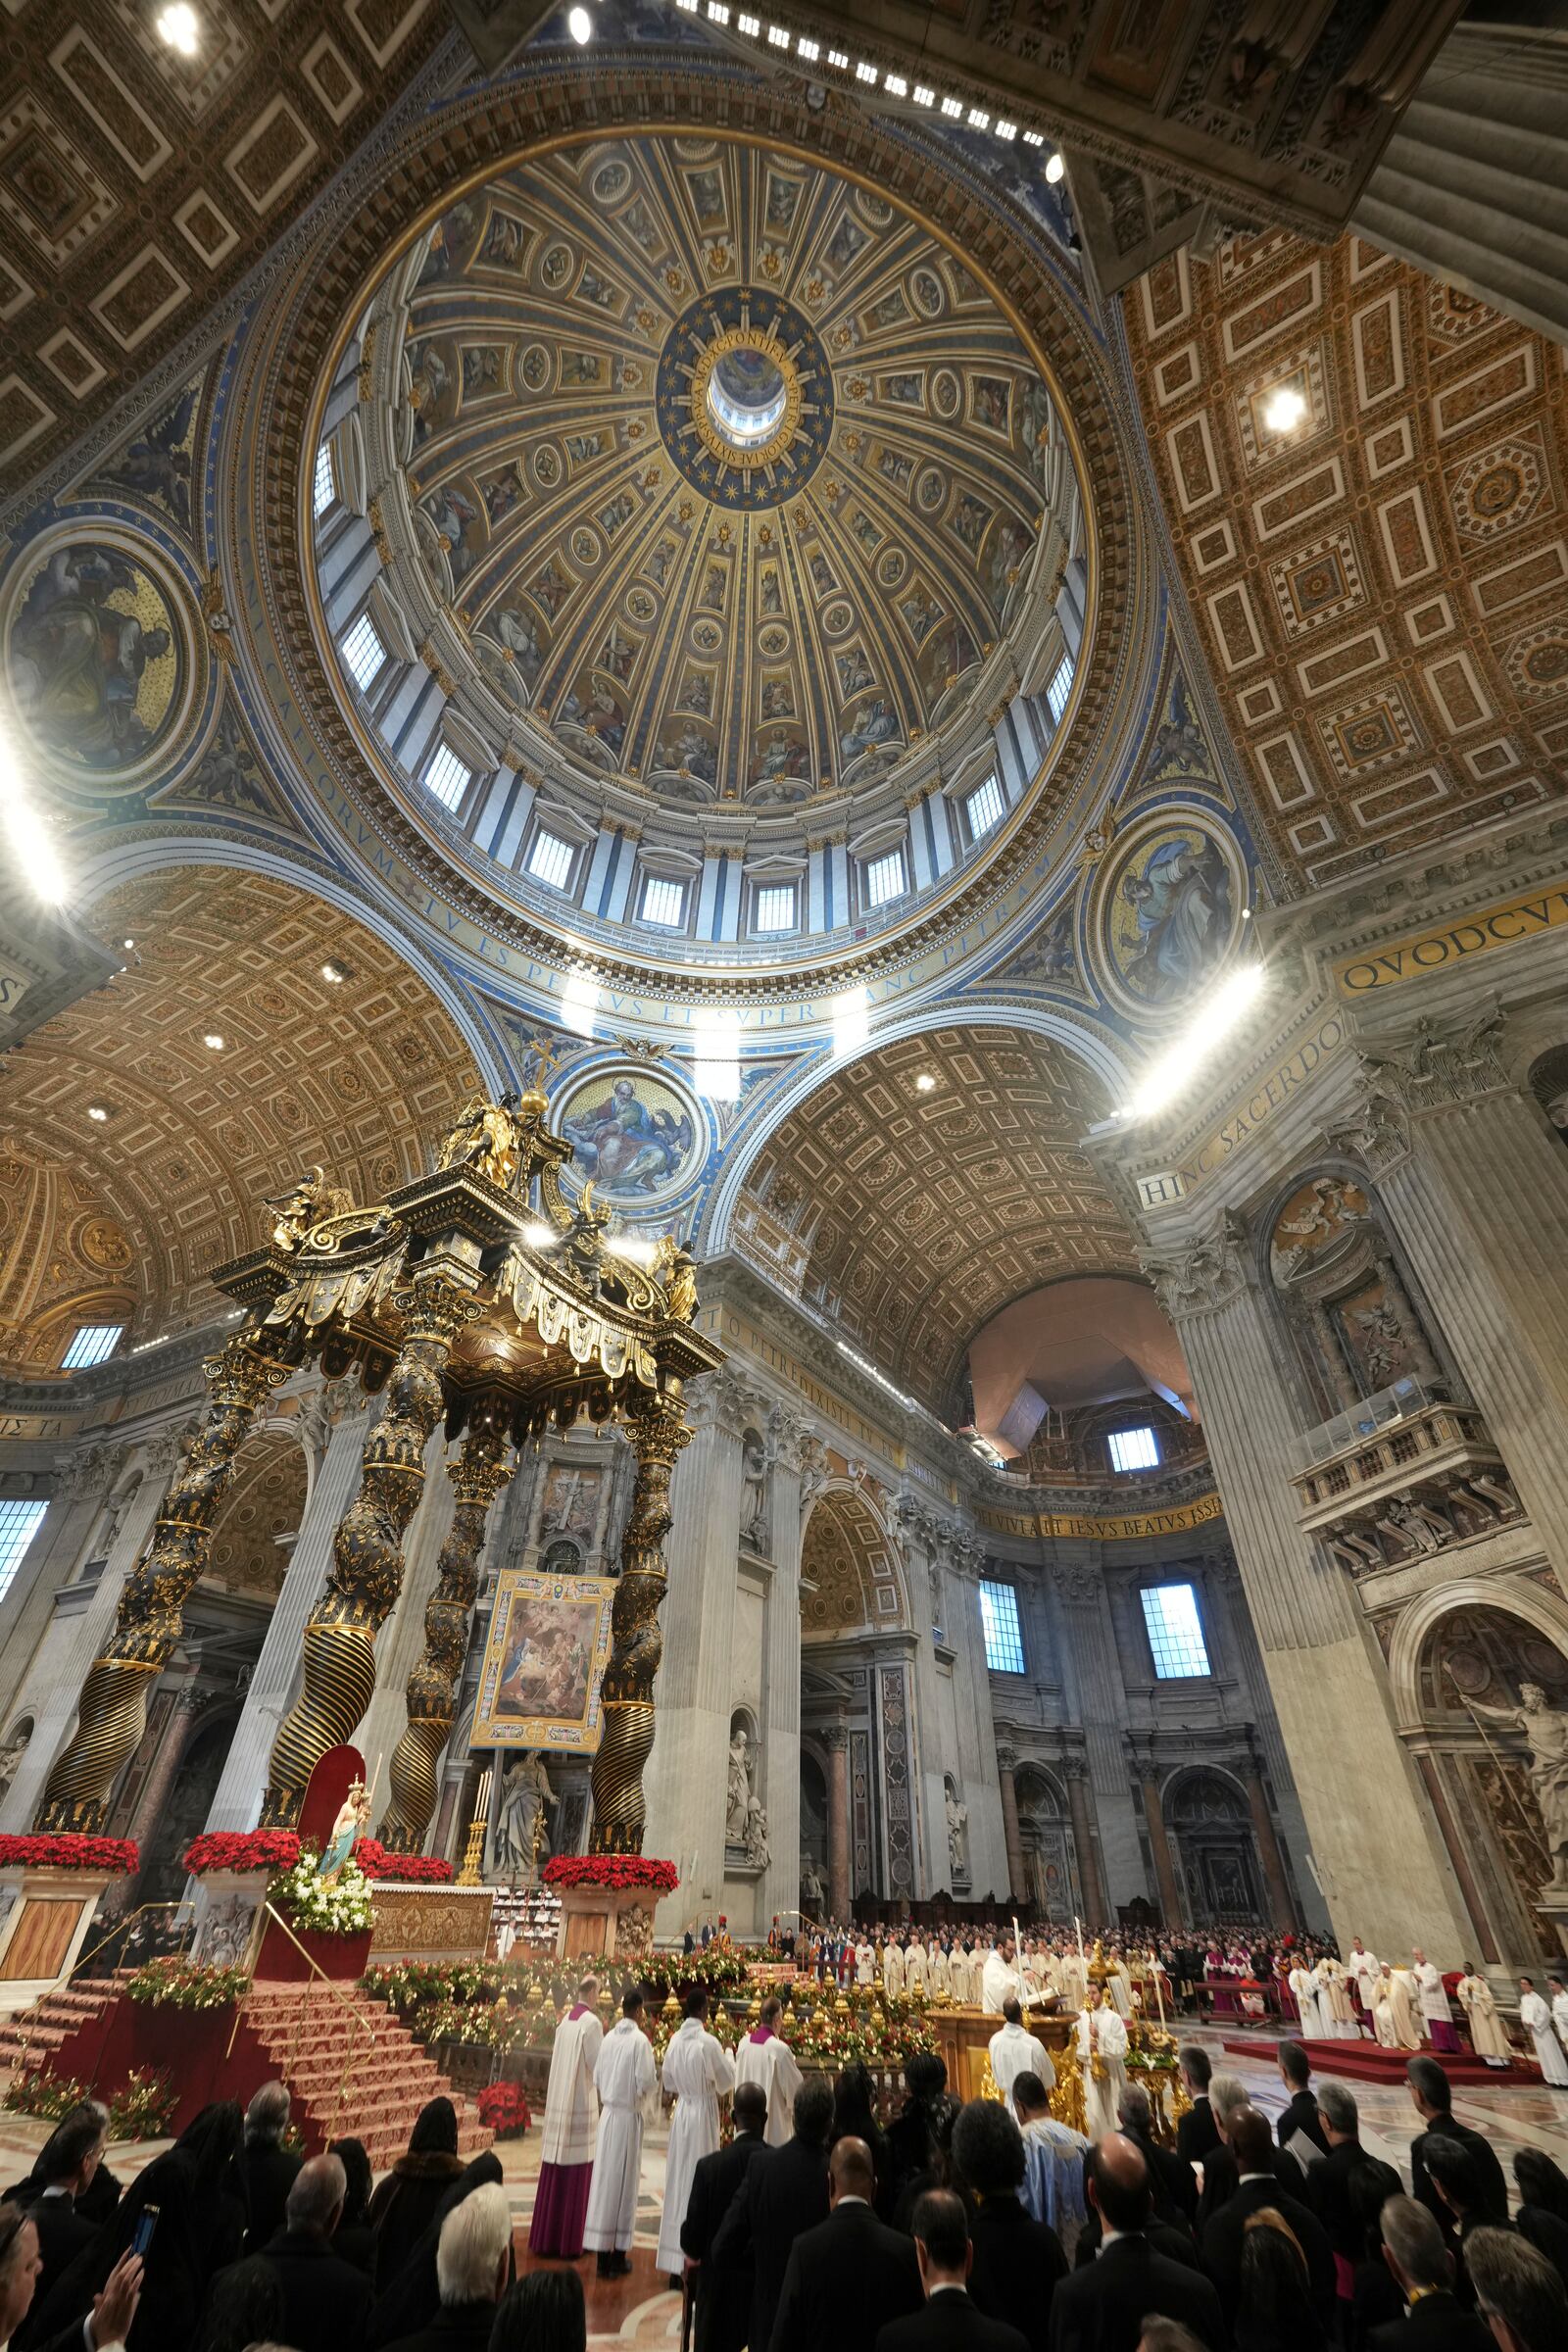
(213, 1042)
(98, 1111)
(178, 27)
(334, 974)
(1284, 409)
(580, 25)
(1055, 168)
(540, 1237)
(924, 1084)
(128, 943)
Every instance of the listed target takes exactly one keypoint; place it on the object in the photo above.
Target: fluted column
(340, 1643)
(1380, 1860)
(333, 1427)
(686, 1769)
(655, 1429)
(1165, 1887)
(1091, 1887)
(1281, 1908)
(1012, 1835)
(781, 1672)
(477, 1477)
(149, 1618)
(836, 1740)
(1475, 1183)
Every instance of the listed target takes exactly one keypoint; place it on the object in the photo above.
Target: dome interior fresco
(918, 1215)
(761, 610)
(359, 1076)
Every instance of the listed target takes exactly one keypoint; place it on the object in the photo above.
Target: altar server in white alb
(1487, 2037)
(1536, 2019)
(572, 2126)
(1557, 1993)
(1436, 2016)
(626, 2080)
(766, 2058)
(1365, 1972)
(1015, 2051)
(1101, 2056)
(999, 1978)
(698, 2073)
(1303, 1987)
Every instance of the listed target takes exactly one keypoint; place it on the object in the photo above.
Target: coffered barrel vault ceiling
(919, 1214)
(361, 1077)
(1384, 591)
(659, 604)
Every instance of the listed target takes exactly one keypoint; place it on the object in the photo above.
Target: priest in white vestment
(936, 1970)
(1365, 1972)
(626, 2077)
(1101, 2054)
(1074, 1980)
(864, 1963)
(1536, 2019)
(698, 2072)
(572, 2126)
(999, 1978)
(1435, 2013)
(1303, 1990)
(892, 1971)
(1487, 2037)
(1402, 1999)
(1334, 1999)
(1559, 2007)
(914, 1970)
(1383, 2032)
(767, 2060)
(1015, 2051)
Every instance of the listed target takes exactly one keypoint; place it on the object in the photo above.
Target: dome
(725, 504)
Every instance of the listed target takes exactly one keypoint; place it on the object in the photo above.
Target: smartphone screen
(141, 2236)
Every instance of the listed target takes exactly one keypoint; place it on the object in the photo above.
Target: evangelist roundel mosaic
(744, 398)
(636, 1136)
(1169, 912)
(96, 659)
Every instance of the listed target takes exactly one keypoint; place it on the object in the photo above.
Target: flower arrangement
(50, 2096)
(343, 1908)
(415, 1870)
(716, 1964)
(616, 1870)
(142, 2108)
(504, 2110)
(406, 1984)
(178, 1984)
(69, 1850)
(242, 1849)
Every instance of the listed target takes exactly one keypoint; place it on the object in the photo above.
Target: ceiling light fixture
(128, 943)
(580, 25)
(540, 1237)
(333, 973)
(178, 27)
(98, 1111)
(1056, 168)
(213, 1042)
(1284, 409)
(1224, 1009)
(924, 1083)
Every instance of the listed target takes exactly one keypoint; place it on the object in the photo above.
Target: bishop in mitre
(572, 2127)
(766, 2058)
(698, 2073)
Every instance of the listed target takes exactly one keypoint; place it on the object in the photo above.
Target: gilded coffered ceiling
(1383, 589)
(919, 1214)
(64, 1259)
(359, 1076)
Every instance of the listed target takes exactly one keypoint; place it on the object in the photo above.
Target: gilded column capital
(1205, 1277)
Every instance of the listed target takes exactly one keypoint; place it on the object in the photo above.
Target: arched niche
(261, 1515)
(1208, 1825)
(1049, 1853)
(852, 1573)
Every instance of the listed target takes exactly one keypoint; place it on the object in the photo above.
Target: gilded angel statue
(484, 1137)
(674, 1269)
(302, 1209)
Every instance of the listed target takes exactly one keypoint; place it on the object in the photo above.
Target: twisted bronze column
(111, 1712)
(339, 1650)
(655, 1429)
(477, 1477)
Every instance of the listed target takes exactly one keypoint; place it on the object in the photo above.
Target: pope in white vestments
(626, 2078)
(999, 1978)
(699, 2072)
(1536, 2019)
(764, 2059)
(1487, 2037)
(1101, 2054)
(572, 2126)
(1015, 2051)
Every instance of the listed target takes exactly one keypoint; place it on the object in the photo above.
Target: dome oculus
(744, 398)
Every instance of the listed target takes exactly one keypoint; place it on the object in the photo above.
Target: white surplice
(1536, 2019)
(1315, 2025)
(1365, 1971)
(998, 1983)
(764, 2058)
(1487, 2037)
(892, 1972)
(1434, 2000)
(1100, 2033)
(698, 2072)
(1015, 2051)
(571, 2112)
(626, 2078)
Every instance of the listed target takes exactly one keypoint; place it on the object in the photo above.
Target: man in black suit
(105, 2326)
(950, 2322)
(723, 2299)
(1101, 2307)
(1295, 2073)
(851, 2272)
(326, 2301)
(1172, 2183)
(1331, 2178)
(1017, 2260)
(1429, 2089)
(267, 2166)
(1196, 2133)
(1422, 2268)
(784, 2194)
(65, 2172)
(1251, 2144)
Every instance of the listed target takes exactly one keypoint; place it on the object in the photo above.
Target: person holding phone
(107, 2325)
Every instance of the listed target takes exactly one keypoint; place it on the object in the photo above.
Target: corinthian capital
(87, 1470)
(1431, 1067)
(788, 1433)
(1210, 1274)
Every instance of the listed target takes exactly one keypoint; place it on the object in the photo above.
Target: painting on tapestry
(544, 1656)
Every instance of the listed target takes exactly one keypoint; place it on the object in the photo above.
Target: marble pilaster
(1087, 1649)
(781, 1677)
(1006, 1769)
(1282, 1909)
(1091, 1887)
(836, 1740)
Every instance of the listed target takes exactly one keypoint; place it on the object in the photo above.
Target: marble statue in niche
(739, 1786)
(1544, 1729)
(958, 1816)
(754, 1492)
(521, 1837)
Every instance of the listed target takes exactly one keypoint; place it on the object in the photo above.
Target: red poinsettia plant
(617, 1870)
(242, 1849)
(504, 2110)
(69, 1850)
(415, 1870)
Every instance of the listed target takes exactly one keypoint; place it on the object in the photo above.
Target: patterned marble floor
(640, 2311)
